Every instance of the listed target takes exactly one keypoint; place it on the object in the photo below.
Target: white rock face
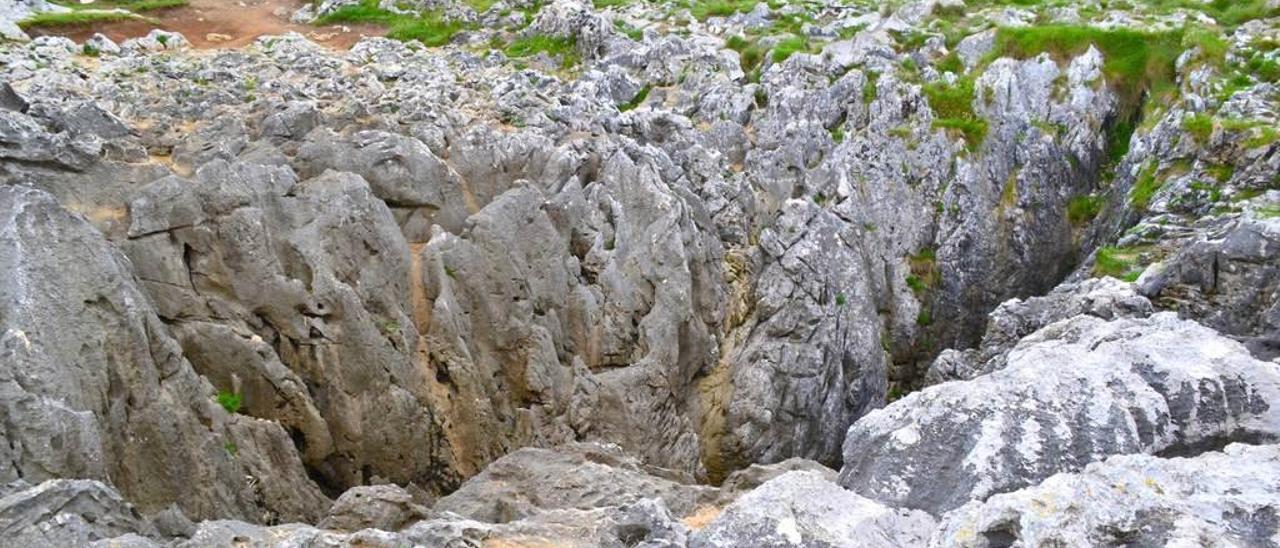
(1072, 393)
(1216, 499)
(804, 509)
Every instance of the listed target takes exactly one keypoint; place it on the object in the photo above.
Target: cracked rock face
(1226, 498)
(647, 285)
(1069, 394)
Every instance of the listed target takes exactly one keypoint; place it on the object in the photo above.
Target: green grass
(1144, 188)
(1200, 126)
(79, 17)
(1082, 209)
(630, 31)
(1121, 263)
(1137, 62)
(550, 45)
(869, 90)
(953, 109)
(635, 101)
(789, 46)
(750, 53)
(480, 6)
(703, 9)
(924, 318)
(131, 5)
(1267, 211)
(428, 28)
(229, 401)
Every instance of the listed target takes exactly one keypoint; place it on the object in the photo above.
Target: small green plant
(1082, 209)
(924, 318)
(703, 9)
(1267, 211)
(1144, 188)
(837, 133)
(869, 91)
(229, 401)
(840, 299)
(1119, 263)
(553, 46)
(70, 18)
(789, 46)
(89, 50)
(635, 101)
(1200, 126)
(231, 448)
(953, 107)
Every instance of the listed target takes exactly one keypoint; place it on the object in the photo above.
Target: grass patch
(563, 48)
(428, 28)
(720, 8)
(1144, 188)
(1082, 209)
(1200, 126)
(750, 53)
(1267, 211)
(635, 101)
(131, 5)
(1121, 263)
(953, 109)
(1137, 62)
(789, 46)
(229, 401)
(78, 17)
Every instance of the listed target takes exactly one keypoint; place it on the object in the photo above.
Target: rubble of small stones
(654, 288)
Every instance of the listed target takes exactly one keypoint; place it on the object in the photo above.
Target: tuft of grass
(1200, 126)
(704, 9)
(554, 46)
(628, 30)
(231, 448)
(1137, 62)
(78, 17)
(840, 299)
(428, 28)
(924, 318)
(1144, 188)
(953, 108)
(1082, 209)
(869, 91)
(1121, 263)
(789, 46)
(229, 401)
(635, 101)
(750, 53)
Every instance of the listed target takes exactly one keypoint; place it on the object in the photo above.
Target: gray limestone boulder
(579, 476)
(93, 386)
(804, 509)
(1228, 498)
(1072, 393)
(386, 507)
(1106, 298)
(65, 512)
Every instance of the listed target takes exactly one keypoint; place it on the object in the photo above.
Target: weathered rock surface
(1229, 281)
(805, 509)
(1072, 393)
(709, 241)
(531, 481)
(1105, 298)
(65, 512)
(1229, 498)
(92, 385)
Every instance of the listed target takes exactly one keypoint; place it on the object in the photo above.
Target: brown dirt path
(221, 24)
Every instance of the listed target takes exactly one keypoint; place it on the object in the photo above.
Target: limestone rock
(1226, 498)
(1072, 393)
(804, 509)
